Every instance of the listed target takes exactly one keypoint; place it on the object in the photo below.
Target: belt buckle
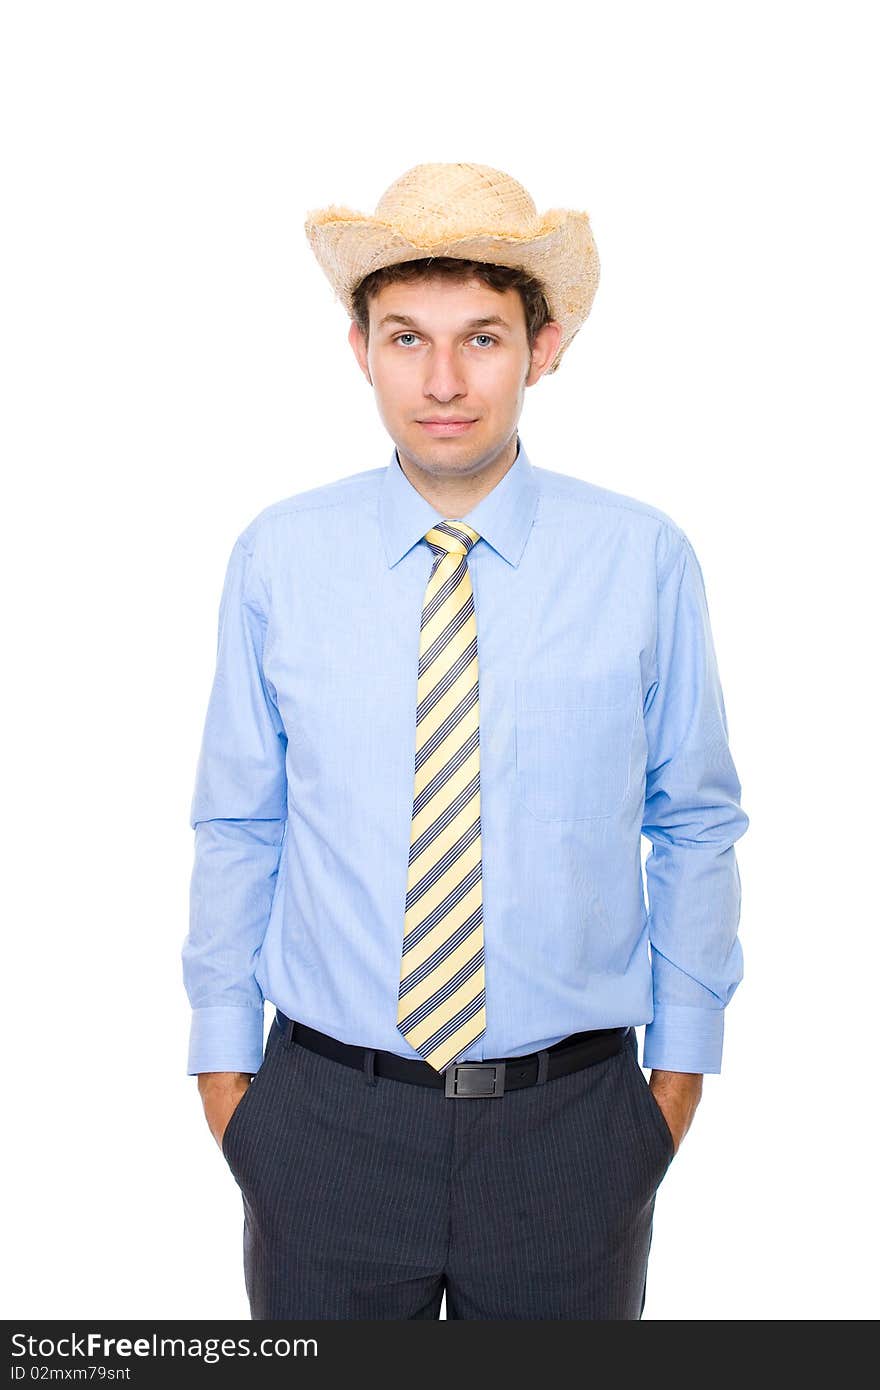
(465, 1079)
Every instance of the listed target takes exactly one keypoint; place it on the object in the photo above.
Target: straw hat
(471, 212)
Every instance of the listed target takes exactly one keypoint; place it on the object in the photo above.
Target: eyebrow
(490, 319)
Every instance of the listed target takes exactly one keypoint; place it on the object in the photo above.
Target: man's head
(447, 340)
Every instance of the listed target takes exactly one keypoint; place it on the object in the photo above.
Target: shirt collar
(503, 517)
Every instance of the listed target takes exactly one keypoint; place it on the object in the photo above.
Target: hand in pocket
(222, 1092)
(676, 1095)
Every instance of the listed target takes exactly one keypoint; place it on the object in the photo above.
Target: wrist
(221, 1080)
(678, 1082)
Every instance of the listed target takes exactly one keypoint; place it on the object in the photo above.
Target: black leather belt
(490, 1078)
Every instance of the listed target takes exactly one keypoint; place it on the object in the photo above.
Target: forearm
(233, 885)
(696, 957)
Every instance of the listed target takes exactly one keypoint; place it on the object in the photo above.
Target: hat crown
(434, 203)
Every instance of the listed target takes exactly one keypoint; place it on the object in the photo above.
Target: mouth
(446, 427)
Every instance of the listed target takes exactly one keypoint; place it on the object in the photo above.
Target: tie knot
(451, 538)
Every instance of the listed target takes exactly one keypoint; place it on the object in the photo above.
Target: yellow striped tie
(441, 1003)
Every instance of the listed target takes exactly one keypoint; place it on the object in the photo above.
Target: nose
(445, 379)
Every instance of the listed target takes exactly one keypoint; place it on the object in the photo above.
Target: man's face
(441, 351)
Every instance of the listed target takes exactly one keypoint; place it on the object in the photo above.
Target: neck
(454, 494)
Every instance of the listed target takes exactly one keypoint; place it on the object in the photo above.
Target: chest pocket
(574, 737)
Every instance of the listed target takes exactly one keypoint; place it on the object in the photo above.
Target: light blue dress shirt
(601, 720)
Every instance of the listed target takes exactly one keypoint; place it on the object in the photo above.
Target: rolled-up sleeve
(693, 818)
(239, 815)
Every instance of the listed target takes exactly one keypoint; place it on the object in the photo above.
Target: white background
(174, 360)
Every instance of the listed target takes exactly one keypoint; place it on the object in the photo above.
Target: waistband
(489, 1078)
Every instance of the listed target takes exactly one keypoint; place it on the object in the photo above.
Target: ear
(547, 341)
(359, 348)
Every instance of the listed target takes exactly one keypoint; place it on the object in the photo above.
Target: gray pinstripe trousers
(367, 1197)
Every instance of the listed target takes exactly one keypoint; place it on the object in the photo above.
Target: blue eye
(408, 334)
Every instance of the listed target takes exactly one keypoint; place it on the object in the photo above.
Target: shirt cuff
(226, 1037)
(684, 1038)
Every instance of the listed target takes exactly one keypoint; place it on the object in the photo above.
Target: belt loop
(369, 1073)
(543, 1065)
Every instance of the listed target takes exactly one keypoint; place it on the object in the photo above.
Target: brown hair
(497, 277)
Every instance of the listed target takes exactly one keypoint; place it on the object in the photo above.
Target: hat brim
(559, 251)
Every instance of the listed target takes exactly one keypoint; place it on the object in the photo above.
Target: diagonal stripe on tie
(441, 1007)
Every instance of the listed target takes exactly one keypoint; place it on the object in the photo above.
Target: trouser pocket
(654, 1116)
(239, 1114)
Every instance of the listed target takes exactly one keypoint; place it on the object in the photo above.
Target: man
(451, 695)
